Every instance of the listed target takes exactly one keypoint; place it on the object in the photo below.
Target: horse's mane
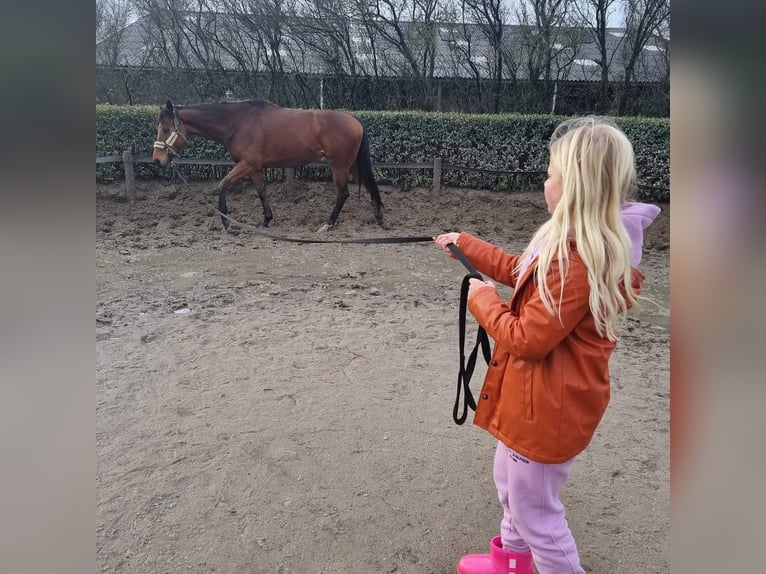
(215, 111)
(257, 103)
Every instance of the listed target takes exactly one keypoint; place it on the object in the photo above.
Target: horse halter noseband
(167, 145)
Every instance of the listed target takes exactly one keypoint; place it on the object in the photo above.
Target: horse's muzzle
(161, 159)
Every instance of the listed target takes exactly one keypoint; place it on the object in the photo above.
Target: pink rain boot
(498, 561)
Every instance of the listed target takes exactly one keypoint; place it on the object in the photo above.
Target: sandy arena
(284, 408)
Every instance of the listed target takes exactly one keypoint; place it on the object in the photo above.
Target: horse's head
(171, 136)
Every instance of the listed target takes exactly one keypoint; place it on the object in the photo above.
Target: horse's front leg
(238, 172)
(260, 187)
(223, 187)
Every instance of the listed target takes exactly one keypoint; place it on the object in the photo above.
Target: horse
(259, 134)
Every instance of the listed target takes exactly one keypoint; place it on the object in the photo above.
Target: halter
(167, 145)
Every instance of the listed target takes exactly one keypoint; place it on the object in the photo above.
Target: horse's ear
(169, 106)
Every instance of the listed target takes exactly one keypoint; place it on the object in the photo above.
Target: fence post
(130, 177)
(437, 185)
(290, 177)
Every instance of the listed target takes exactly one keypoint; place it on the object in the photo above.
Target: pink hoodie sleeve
(636, 217)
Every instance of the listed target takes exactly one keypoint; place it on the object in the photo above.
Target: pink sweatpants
(533, 516)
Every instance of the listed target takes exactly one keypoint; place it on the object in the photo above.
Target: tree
(112, 17)
(594, 17)
(162, 22)
(408, 27)
(326, 30)
(643, 19)
(547, 37)
(463, 54)
(491, 16)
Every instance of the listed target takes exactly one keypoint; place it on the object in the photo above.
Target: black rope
(482, 340)
(259, 231)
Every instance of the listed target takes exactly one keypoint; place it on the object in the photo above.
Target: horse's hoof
(325, 227)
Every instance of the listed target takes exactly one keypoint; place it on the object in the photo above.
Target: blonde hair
(597, 168)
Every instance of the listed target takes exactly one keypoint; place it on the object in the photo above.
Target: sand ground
(284, 408)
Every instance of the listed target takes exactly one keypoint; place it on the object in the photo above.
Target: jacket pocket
(528, 411)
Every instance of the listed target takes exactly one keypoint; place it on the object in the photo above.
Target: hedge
(495, 142)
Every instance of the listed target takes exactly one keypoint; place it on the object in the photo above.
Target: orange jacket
(547, 384)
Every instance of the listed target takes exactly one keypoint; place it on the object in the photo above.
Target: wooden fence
(437, 167)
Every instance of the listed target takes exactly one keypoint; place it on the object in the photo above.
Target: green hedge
(495, 142)
(134, 128)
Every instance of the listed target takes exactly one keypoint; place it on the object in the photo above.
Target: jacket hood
(636, 217)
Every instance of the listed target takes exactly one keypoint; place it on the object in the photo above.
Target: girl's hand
(445, 239)
(475, 284)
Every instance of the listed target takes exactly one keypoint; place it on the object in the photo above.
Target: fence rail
(198, 161)
(438, 166)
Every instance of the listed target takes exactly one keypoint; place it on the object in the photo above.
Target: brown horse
(258, 134)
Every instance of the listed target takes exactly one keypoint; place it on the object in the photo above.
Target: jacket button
(494, 363)
(485, 396)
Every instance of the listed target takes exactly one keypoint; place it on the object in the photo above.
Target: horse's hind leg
(341, 185)
(260, 187)
(367, 177)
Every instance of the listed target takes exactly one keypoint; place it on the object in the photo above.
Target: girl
(547, 385)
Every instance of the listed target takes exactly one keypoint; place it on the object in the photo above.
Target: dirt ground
(284, 408)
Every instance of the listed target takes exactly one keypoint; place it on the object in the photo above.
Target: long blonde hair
(597, 168)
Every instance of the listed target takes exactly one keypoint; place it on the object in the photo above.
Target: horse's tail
(366, 176)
